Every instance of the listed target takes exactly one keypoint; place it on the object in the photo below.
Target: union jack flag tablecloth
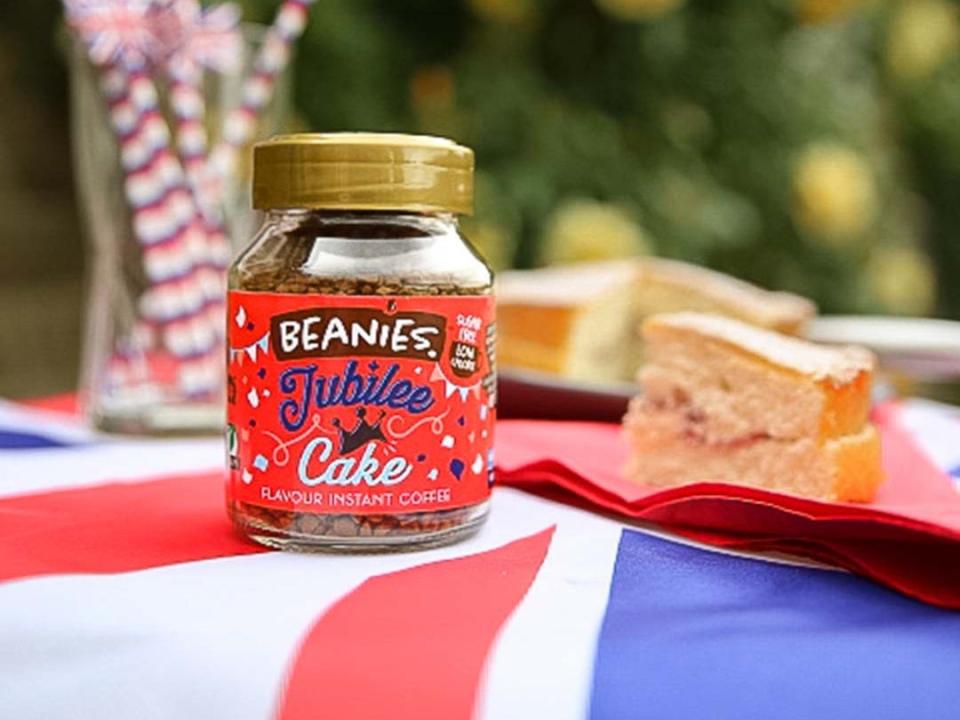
(124, 594)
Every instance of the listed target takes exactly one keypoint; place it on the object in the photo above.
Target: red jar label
(360, 404)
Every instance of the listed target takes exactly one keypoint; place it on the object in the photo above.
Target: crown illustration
(362, 433)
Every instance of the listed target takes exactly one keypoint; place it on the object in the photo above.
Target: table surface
(124, 594)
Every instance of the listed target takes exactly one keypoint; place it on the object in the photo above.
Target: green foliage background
(690, 121)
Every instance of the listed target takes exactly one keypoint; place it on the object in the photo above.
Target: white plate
(919, 348)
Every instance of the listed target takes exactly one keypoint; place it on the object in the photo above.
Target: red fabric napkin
(908, 538)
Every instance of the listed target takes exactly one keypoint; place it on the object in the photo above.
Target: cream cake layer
(666, 453)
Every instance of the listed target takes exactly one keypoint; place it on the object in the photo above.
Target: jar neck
(300, 214)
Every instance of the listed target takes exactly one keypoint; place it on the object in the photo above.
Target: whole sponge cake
(581, 321)
(725, 401)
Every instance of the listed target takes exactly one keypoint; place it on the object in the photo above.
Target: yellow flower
(824, 11)
(922, 34)
(834, 193)
(513, 12)
(902, 279)
(582, 230)
(638, 9)
(494, 242)
(432, 87)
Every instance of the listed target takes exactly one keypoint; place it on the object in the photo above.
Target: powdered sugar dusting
(840, 365)
(769, 306)
(566, 285)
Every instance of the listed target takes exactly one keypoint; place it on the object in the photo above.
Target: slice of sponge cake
(725, 401)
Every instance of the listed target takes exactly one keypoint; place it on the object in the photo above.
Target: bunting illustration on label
(450, 387)
(250, 350)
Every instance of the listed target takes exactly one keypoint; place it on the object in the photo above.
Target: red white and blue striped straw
(203, 39)
(259, 88)
(166, 221)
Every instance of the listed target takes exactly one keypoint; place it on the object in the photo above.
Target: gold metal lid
(363, 171)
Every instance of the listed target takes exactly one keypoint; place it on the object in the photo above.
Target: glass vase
(153, 355)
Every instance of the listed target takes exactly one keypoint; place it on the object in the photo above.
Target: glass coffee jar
(361, 385)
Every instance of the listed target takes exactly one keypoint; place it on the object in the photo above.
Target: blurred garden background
(808, 145)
